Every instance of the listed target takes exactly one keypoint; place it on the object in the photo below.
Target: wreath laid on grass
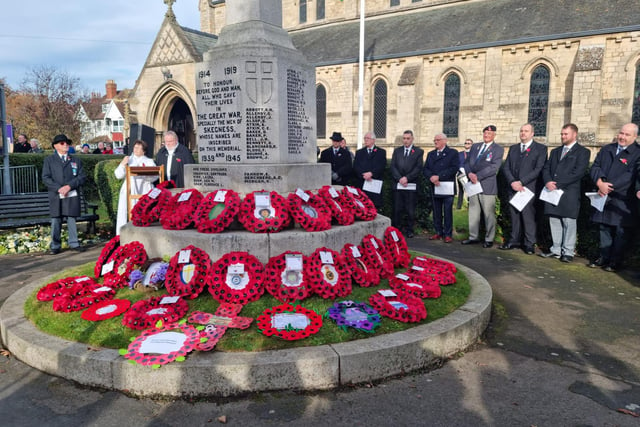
(82, 296)
(432, 275)
(309, 210)
(238, 278)
(217, 211)
(362, 206)
(150, 206)
(122, 262)
(353, 314)
(147, 312)
(361, 273)
(434, 263)
(289, 322)
(58, 288)
(179, 212)
(105, 254)
(401, 306)
(269, 216)
(187, 273)
(396, 246)
(415, 285)
(288, 282)
(338, 204)
(106, 310)
(377, 256)
(330, 276)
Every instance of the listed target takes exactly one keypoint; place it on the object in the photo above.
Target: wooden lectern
(133, 171)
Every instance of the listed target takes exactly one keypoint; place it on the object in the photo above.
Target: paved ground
(563, 349)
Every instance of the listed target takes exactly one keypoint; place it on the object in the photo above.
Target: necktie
(64, 159)
(369, 150)
(619, 150)
(522, 148)
(406, 152)
(438, 153)
(482, 151)
(335, 152)
(565, 150)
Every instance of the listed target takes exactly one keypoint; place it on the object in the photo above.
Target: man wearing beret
(340, 160)
(63, 175)
(481, 166)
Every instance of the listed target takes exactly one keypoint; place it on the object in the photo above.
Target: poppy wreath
(377, 256)
(188, 279)
(437, 263)
(106, 310)
(179, 212)
(432, 275)
(403, 307)
(353, 314)
(125, 259)
(415, 285)
(338, 204)
(287, 286)
(82, 296)
(150, 206)
(145, 313)
(329, 280)
(303, 211)
(214, 216)
(267, 224)
(133, 354)
(60, 287)
(361, 273)
(360, 203)
(396, 246)
(105, 253)
(235, 287)
(272, 322)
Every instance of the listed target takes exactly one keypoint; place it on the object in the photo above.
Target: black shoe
(78, 249)
(469, 242)
(508, 246)
(566, 258)
(597, 263)
(487, 244)
(611, 268)
(529, 250)
(54, 252)
(548, 255)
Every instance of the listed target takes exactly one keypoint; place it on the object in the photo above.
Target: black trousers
(404, 202)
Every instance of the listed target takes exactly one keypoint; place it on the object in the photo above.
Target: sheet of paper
(410, 186)
(262, 199)
(220, 196)
(170, 300)
(444, 189)
(293, 262)
(163, 343)
(326, 257)
(521, 198)
(387, 293)
(552, 197)
(373, 186)
(72, 193)
(597, 201)
(472, 189)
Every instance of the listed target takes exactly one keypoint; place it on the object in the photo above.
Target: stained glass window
(380, 109)
(321, 112)
(539, 99)
(451, 105)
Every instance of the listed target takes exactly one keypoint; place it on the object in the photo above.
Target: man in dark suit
(522, 169)
(614, 172)
(441, 166)
(370, 163)
(22, 144)
(174, 156)
(482, 166)
(63, 175)
(340, 160)
(406, 166)
(462, 156)
(563, 171)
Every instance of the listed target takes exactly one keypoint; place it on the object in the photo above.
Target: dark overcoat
(181, 156)
(410, 166)
(567, 173)
(57, 174)
(340, 164)
(445, 165)
(525, 167)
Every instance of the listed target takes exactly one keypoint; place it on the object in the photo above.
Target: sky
(94, 41)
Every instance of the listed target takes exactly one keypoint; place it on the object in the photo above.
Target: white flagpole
(361, 77)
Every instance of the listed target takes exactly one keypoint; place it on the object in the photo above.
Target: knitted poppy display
(106, 310)
(179, 212)
(415, 285)
(150, 277)
(377, 256)
(217, 211)
(237, 277)
(150, 206)
(269, 216)
(329, 275)
(398, 305)
(145, 313)
(105, 253)
(165, 343)
(353, 314)
(363, 274)
(122, 262)
(338, 204)
(396, 246)
(289, 322)
(361, 205)
(285, 282)
(55, 289)
(188, 272)
(82, 296)
(309, 210)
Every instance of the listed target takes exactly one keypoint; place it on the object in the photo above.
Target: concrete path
(563, 349)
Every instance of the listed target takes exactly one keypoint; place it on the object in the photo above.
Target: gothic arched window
(451, 108)
(319, 9)
(321, 112)
(539, 99)
(303, 11)
(635, 113)
(380, 109)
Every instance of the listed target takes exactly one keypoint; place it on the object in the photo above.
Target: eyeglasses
(63, 142)
(468, 143)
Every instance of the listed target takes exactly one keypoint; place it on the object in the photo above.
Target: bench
(31, 209)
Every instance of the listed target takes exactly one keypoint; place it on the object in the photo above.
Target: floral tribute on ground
(338, 204)
(217, 211)
(289, 322)
(60, 287)
(82, 296)
(264, 212)
(354, 314)
(309, 210)
(226, 316)
(179, 212)
(377, 256)
(433, 271)
(287, 277)
(238, 278)
(363, 274)
(415, 285)
(105, 254)
(400, 306)
(330, 275)
(396, 246)
(145, 313)
(122, 262)
(187, 273)
(106, 310)
(361, 205)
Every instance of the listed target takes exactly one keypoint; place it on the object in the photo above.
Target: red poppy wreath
(363, 274)
(330, 276)
(415, 285)
(105, 253)
(287, 277)
(150, 206)
(188, 272)
(435, 263)
(398, 305)
(165, 343)
(60, 287)
(396, 246)
(106, 310)
(179, 212)
(122, 262)
(363, 208)
(217, 211)
(145, 313)
(82, 296)
(264, 212)
(377, 256)
(289, 322)
(237, 277)
(432, 275)
(338, 204)
(309, 210)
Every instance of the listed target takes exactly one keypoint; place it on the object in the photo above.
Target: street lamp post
(6, 188)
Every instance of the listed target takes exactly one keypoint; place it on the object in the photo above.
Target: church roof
(201, 42)
(466, 25)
